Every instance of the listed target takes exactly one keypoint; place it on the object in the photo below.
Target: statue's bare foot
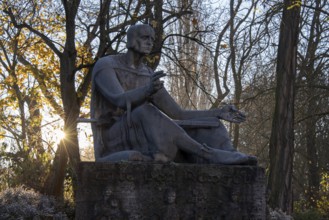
(250, 160)
(228, 157)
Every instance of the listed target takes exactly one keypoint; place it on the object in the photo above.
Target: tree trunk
(71, 107)
(282, 135)
(54, 183)
(237, 99)
(69, 147)
(34, 132)
(157, 19)
(313, 175)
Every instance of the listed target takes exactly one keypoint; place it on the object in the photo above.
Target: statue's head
(140, 38)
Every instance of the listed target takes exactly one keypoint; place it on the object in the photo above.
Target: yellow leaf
(195, 21)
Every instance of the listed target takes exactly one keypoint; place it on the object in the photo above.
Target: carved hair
(133, 31)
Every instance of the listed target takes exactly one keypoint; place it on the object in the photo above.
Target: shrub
(308, 215)
(22, 203)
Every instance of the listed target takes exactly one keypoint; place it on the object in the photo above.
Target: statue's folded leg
(216, 139)
(213, 136)
(167, 139)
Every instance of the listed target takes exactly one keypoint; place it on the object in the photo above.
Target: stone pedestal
(130, 190)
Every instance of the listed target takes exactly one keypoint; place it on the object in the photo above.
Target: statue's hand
(232, 114)
(155, 84)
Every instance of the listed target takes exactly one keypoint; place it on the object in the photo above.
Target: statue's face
(144, 40)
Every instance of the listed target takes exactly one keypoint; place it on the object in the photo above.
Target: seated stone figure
(138, 120)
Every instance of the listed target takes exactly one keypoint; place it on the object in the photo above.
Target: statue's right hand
(155, 84)
(231, 114)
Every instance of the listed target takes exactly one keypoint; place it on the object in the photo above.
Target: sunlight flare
(59, 135)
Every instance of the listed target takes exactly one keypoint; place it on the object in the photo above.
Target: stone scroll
(170, 191)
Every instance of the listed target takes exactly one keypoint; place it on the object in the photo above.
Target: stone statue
(137, 119)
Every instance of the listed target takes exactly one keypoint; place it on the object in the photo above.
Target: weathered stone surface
(170, 191)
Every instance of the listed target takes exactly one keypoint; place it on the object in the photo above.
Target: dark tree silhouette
(282, 136)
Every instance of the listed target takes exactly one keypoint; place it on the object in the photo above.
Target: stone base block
(130, 190)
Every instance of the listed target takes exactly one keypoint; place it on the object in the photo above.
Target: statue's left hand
(232, 114)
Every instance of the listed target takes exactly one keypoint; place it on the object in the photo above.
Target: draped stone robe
(114, 124)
